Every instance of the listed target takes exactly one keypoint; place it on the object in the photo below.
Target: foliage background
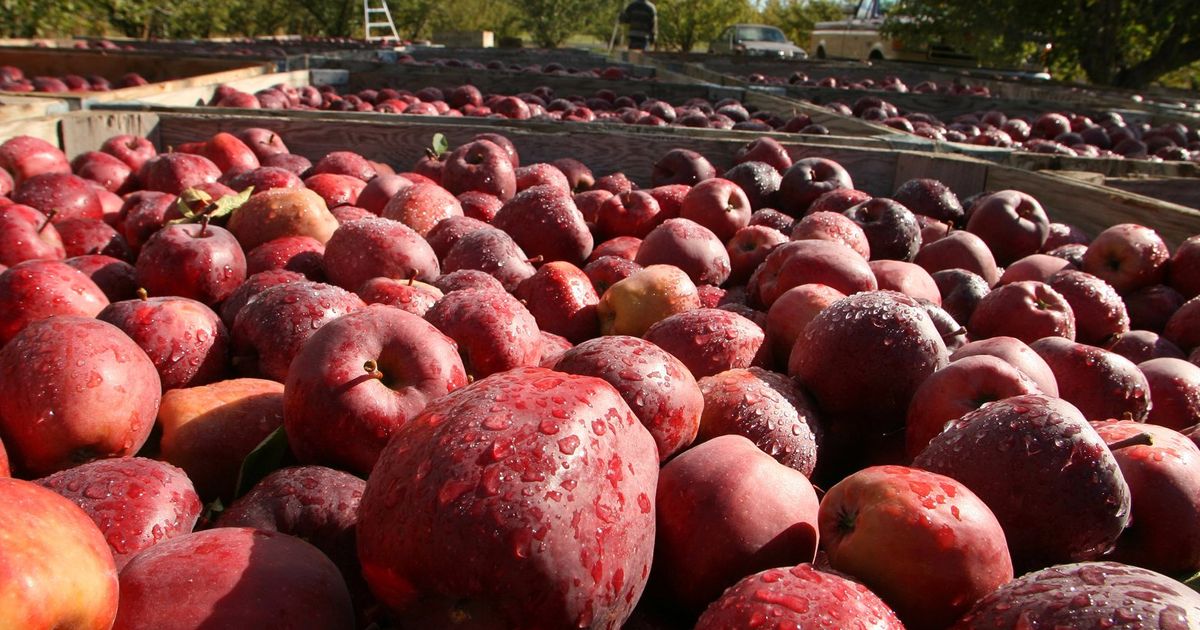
(1119, 42)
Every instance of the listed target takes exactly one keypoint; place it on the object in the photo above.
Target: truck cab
(858, 37)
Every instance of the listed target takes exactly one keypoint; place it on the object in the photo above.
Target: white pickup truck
(858, 37)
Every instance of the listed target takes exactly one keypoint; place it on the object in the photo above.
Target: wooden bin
(166, 73)
(401, 142)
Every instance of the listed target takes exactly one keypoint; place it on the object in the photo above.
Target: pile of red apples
(740, 394)
(542, 103)
(886, 83)
(1059, 133)
(13, 79)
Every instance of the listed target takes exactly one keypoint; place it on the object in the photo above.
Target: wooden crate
(167, 73)
(401, 142)
(26, 107)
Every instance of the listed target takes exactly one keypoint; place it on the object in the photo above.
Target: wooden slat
(23, 108)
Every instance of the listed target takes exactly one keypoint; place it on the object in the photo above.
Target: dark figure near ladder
(642, 18)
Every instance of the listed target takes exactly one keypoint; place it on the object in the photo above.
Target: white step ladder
(369, 25)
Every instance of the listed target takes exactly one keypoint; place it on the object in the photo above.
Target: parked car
(756, 39)
(858, 37)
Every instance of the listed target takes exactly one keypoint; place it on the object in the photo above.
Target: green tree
(550, 22)
(1125, 43)
(684, 24)
(798, 17)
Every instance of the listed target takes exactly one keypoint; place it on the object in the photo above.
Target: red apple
(748, 248)
(719, 205)
(1001, 452)
(1012, 223)
(710, 340)
(1174, 392)
(26, 234)
(659, 389)
(1099, 312)
(810, 262)
(1185, 268)
(829, 226)
(220, 577)
(1027, 310)
(198, 261)
(1160, 466)
(136, 502)
(931, 198)
(377, 247)
(766, 150)
(767, 408)
(279, 212)
(689, 246)
(176, 172)
(682, 166)
(1083, 595)
(26, 156)
(923, 541)
(791, 312)
(1150, 308)
(633, 214)
(1184, 326)
(361, 377)
(39, 289)
(74, 389)
(134, 151)
(58, 571)
(801, 597)
(717, 520)
(562, 300)
(1035, 267)
(209, 430)
(572, 459)
(111, 173)
(1101, 384)
(1140, 346)
(544, 221)
(66, 195)
(806, 180)
(493, 251)
(1128, 257)
(493, 330)
(959, 250)
(345, 163)
(906, 278)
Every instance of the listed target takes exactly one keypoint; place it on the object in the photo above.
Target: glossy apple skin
(710, 340)
(830, 226)
(923, 541)
(689, 246)
(648, 295)
(493, 330)
(1184, 271)
(632, 213)
(1142, 345)
(716, 521)
(1150, 308)
(1050, 598)
(562, 300)
(302, 254)
(1028, 310)
(134, 151)
(281, 212)
(68, 196)
(1174, 392)
(144, 213)
(767, 408)
(801, 596)
(338, 414)
(335, 190)
(1184, 326)
(175, 172)
(1012, 223)
(82, 237)
(492, 251)
(270, 329)
(26, 234)
(74, 389)
(345, 163)
(186, 340)
(539, 567)
(766, 150)
(1128, 257)
(38, 289)
(220, 577)
(208, 430)
(958, 389)
(907, 278)
(1100, 383)
(892, 231)
(108, 171)
(116, 278)
(719, 205)
(136, 502)
(544, 221)
(201, 262)
(806, 180)
(58, 571)
(962, 250)
(758, 180)
(892, 345)
(659, 389)
(377, 247)
(791, 312)
(809, 262)
(1164, 483)
(681, 166)
(407, 295)
(481, 166)
(26, 156)
(448, 231)
(421, 207)
(1001, 452)
(931, 198)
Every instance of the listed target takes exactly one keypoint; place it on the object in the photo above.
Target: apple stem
(142, 294)
(204, 225)
(536, 260)
(371, 367)
(412, 277)
(1140, 439)
(49, 218)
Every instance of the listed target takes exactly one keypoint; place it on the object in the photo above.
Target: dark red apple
(806, 180)
(26, 234)
(1185, 268)
(765, 150)
(829, 226)
(377, 247)
(716, 520)
(1002, 452)
(709, 340)
(493, 330)
(748, 248)
(633, 213)
(184, 339)
(198, 261)
(931, 198)
(544, 222)
(1012, 223)
(1101, 384)
(959, 250)
(1174, 392)
(682, 166)
(719, 205)
(116, 278)
(562, 299)
(67, 196)
(40, 289)
(688, 246)
(810, 262)
(573, 458)
(134, 151)
(1128, 257)
(1027, 310)
(175, 172)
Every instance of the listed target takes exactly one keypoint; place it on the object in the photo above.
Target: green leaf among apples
(212, 209)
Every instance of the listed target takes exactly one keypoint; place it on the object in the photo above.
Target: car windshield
(761, 34)
(886, 6)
